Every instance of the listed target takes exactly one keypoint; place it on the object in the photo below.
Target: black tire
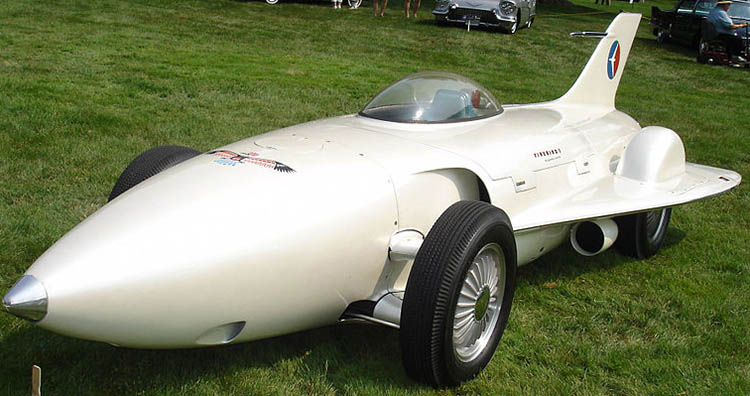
(661, 36)
(701, 57)
(439, 275)
(149, 163)
(695, 42)
(529, 23)
(641, 235)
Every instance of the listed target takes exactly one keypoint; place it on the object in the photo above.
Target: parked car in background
(508, 15)
(351, 3)
(683, 23)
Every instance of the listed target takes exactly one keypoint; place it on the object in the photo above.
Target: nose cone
(27, 299)
(206, 252)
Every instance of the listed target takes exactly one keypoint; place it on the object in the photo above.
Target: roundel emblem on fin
(613, 60)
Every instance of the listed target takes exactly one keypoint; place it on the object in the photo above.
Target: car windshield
(432, 97)
(739, 10)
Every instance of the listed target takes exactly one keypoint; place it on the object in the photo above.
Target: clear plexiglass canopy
(432, 97)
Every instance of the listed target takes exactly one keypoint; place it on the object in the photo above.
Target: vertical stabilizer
(597, 84)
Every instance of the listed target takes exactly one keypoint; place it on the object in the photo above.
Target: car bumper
(474, 17)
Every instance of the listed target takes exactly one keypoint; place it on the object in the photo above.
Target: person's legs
(407, 3)
(382, 8)
(416, 7)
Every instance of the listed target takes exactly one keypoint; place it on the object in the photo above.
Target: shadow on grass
(316, 3)
(335, 353)
(565, 264)
(669, 47)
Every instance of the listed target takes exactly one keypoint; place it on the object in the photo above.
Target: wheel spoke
(482, 270)
(460, 336)
(465, 293)
(463, 312)
(463, 322)
(468, 284)
(493, 274)
(476, 331)
(477, 283)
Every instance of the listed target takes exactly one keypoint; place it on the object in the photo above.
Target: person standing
(407, 3)
(375, 7)
(724, 27)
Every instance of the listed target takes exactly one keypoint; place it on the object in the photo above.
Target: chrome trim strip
(354, 316)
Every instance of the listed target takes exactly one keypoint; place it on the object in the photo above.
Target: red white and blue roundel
(613, 61)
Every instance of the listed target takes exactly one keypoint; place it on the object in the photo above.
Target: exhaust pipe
(593, 237)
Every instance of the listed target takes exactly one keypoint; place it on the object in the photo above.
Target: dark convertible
(683, 23)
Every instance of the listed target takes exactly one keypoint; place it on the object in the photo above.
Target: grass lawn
(85, 86)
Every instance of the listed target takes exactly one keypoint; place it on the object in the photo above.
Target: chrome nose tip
(27, 299)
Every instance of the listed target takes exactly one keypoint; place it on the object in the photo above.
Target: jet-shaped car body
(414, 214)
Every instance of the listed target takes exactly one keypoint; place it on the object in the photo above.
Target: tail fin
(597, 84)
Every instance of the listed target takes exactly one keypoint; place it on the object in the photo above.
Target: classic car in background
(352, 3)
(413, 214)
(508, 15)
(683, 23)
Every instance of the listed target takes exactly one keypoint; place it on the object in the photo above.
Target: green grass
(86, 86)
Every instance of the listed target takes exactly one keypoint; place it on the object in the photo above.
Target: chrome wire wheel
(479, 302)
(655, 223)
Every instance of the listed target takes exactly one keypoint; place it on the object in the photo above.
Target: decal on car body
(613, 61)
(231, 158)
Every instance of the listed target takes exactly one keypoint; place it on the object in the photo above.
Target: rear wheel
(641, 235)
(149, 163)
(529, 22)
(459, 294)
(353, 3)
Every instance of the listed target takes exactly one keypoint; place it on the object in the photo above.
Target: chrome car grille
(484, 16)
(461, 15)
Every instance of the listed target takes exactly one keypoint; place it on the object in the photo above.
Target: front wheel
(149, 163)
(272, 2)
(459, 294)
(353, 3)
(641, 235)
(529, 22)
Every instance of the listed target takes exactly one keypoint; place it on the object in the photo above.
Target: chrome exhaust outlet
(592, 237)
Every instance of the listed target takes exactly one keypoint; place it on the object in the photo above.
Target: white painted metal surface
(214, 250)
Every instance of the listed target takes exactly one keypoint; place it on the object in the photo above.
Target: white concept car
(414, 214)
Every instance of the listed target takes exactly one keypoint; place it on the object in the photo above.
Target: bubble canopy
(432, 97)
